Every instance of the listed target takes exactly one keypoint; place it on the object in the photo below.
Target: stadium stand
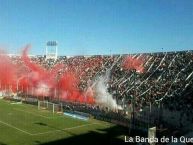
(164, 86)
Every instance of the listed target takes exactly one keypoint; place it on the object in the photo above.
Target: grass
(22, 124)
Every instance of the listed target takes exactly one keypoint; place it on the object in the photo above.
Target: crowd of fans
(167, 79)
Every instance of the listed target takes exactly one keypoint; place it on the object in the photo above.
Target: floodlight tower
(52, 50)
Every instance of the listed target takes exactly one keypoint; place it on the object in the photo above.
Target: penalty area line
(29, 112)
(11, 126)
(52, 131)
(65, 129)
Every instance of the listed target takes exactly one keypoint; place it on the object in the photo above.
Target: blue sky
(97, 26)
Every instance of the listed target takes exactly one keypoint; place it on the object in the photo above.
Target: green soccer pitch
(23, 124)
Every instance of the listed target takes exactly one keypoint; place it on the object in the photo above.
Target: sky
(92, 27)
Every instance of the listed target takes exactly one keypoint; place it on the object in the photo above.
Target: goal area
(54, 108)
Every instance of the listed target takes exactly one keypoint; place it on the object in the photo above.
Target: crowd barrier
(76, 116)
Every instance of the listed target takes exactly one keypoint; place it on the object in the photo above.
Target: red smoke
(37, 81)
(7, 73)
(68, 86)
(130, 63)
(89, 95)
(32, 79)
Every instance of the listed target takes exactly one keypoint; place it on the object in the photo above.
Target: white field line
(33, 113)
(60, 130)
(11, 126)
(52, 131)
